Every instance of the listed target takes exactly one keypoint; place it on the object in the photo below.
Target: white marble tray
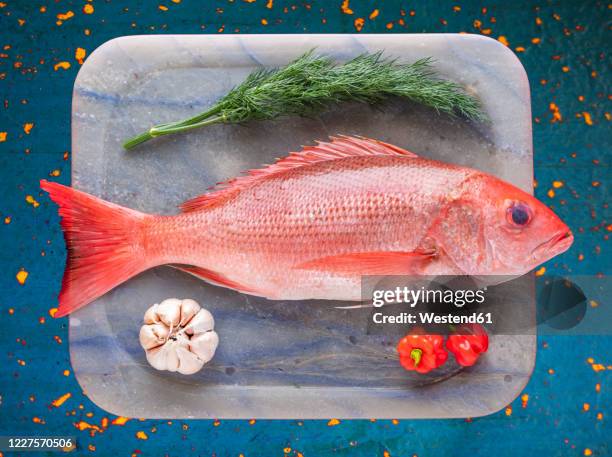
(275, 359)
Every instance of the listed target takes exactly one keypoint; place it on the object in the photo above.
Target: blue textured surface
(564, 408)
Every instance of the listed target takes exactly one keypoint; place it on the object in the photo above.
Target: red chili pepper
(420, 352)
(467, 343)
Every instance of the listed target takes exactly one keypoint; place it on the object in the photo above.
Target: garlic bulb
(178, 335)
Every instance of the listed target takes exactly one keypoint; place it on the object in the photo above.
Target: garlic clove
(153, 335)
(204, 345)
(169, 312)
(189, 363)
(151, 316)
(189, 308)
(202, 322)
(157, 357)
(172, 360)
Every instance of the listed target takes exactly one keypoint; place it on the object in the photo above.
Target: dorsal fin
(339, 147)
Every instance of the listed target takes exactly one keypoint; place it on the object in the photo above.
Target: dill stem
(167, 129)
(172, 127)
(136, 140)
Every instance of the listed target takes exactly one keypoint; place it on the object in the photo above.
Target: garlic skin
(178, 335)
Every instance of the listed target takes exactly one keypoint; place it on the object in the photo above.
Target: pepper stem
(416, 355)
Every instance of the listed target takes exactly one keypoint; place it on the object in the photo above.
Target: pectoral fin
(373, 263)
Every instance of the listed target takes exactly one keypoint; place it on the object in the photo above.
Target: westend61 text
(432, 318)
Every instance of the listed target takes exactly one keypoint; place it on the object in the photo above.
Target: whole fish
(312, 224)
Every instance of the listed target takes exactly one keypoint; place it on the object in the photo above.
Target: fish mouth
(559, 243)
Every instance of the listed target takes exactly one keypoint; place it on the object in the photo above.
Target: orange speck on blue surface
(22, 276)
(79, 55)
(587, 118)
(61, 65)
(120, 420)
(65, 16)
(32, 201)
(556, 113)
(524, 400)
(358, 23)
(59, 401)
(82, 425)
(345, 8)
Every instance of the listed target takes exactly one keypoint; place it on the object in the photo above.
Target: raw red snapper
(310, 225)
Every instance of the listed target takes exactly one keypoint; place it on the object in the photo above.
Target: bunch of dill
(312, 83)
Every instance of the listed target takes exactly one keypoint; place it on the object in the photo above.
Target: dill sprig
(312, 83)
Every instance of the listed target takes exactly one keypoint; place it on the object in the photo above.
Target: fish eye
(518, 214)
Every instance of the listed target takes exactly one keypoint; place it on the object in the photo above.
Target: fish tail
(104, 241)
